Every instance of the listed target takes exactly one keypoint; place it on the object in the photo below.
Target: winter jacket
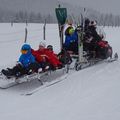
(27, 59)
(70, 38)
(94, 33)
(50, 56)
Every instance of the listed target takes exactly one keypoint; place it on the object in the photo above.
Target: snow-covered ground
(89, 94)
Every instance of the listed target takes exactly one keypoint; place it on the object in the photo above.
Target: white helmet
(93, 23)
(42, 44)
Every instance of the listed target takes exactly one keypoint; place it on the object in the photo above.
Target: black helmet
(50, 47)
(87, 21)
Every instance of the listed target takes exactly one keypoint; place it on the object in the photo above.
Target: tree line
(22, 17)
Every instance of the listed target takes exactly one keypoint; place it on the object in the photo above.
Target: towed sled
(10, 81)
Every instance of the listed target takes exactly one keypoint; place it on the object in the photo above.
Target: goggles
(24, 51)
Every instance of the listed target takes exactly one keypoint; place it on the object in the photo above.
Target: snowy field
(89, 94)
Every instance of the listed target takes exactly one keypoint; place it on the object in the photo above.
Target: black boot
(7, 73)
(10, 69)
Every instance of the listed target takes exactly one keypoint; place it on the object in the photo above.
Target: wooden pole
(61, 27)
(44, 30)
(12, 23)
(26, 23)
(26, 32)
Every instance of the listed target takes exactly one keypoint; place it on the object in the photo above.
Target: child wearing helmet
(26, 57)
(25, 63)
(50, 49)
(71, 40)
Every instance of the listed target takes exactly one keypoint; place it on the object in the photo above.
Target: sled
(6, 83)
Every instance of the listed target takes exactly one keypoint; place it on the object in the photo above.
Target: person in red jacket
(44, 55)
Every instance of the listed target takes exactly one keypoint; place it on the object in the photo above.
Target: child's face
(41, 47)
(24, 51)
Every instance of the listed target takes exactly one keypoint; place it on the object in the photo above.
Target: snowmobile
(102, 52)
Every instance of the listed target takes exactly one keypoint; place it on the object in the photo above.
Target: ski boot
(7, 73)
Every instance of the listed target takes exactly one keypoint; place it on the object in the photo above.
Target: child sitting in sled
(46, 55)
(25, 65)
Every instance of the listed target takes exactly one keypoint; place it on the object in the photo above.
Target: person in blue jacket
(26, 64)
(71, 40)
(26, 57)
